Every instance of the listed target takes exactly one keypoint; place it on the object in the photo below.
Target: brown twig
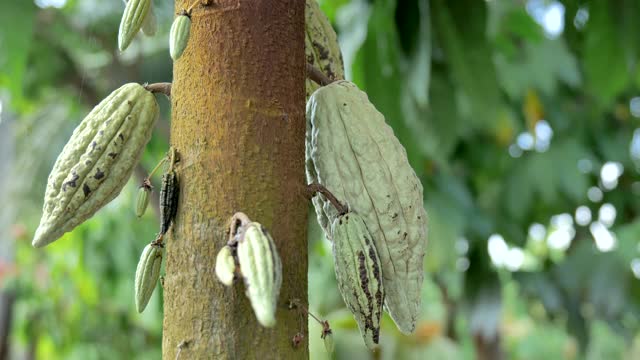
(237, 221)
(317, 76)
(163, 88)
(318, 188)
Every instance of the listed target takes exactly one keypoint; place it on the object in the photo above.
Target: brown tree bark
(238, 126)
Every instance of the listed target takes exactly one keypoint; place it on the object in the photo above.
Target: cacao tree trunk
(238, 127)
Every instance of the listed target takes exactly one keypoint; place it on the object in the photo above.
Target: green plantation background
(520, 117)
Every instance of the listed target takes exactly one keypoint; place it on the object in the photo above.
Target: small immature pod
(169, 193)
(147, 274)
(329, 344)
(225, 266)
(142, 200)
(179, 35)
(262, 271)
(133, 17)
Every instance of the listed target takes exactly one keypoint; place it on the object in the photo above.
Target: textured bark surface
(238, 126)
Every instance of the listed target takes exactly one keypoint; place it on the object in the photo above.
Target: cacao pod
(329, 343)
(135, 12)
(169, 195)
(142, 200)
(97, 161)
(225, 266)
(354, 153)
(359, 274)
(261, 270)
(147, 274)
(321, 45)
(179, 35)
(150, 24)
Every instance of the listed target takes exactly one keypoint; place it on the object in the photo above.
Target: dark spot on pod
(323, 53)
(93, 146)
(404, 236)
(86, 190)
(344, 104)
(101, 132)
(419, 217)
(121, 136)
(71, 182)
(88, 162)
(395, 215)
(112, 155)
(99, 174)
(398, 232)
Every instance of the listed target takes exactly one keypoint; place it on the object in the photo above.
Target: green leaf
(15, 45)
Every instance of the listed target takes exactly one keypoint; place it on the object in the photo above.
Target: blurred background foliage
(520, 117)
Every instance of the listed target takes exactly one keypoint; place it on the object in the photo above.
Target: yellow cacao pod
(97, 161)
(135, 12)
(354, 153)
(359, 274)
(261, 270)
(147, 274)
(225, 266)
(321, 45)
(179, 35)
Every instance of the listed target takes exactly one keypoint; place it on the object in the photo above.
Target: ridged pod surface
(225, 266)
(179, 35)
(321, 45)
(354, 153)
(150, 23)
(359, 274)
(97, 161)
(142, 200)
(262, 272)
(135, 12)
(147, 274)
(169, 195)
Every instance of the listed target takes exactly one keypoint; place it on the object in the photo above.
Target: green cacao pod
(329, 343)
(225, 266)
(179, 35)
(97, 161)
(135, 12)
(321, 45)
(359, 274)
(142, 200)
(150, 23)
(261, 270)
(147, 274)
(354, 153)
(169, 195)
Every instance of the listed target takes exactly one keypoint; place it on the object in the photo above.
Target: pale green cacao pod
(225, 266)
(135, 12)
(262, 272)
(97, 161)
(147, 274)
(321, 45)
(179, 36)
(354, 153)
(150, 23)
(359, 274)
(329, 343)
(142, 200)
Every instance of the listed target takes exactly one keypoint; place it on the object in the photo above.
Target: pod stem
(194, 4)
(318, 188)
(296, 303)
(147, 180)
(237, 221)
(163, 88)
(317, 76)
